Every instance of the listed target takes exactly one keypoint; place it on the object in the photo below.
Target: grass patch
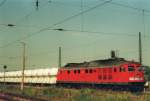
(53, 93)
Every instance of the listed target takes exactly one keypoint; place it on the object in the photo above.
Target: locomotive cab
(136, 73)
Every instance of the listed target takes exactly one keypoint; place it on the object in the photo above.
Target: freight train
(113, 73)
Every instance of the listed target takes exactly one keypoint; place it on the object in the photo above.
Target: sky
(91, 29)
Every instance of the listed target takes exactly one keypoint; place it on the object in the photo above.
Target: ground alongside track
(65, 94)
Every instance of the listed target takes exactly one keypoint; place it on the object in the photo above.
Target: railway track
(17, 97)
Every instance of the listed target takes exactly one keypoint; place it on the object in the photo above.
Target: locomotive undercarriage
(133, 87)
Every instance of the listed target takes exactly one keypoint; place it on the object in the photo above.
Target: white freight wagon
(39, 76)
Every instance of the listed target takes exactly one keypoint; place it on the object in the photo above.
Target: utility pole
(59, 62)
(5, 67)
(140, 48)
(23, 66)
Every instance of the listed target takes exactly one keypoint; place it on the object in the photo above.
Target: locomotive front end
(136, 74)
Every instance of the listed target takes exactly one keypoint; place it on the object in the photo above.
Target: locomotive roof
(100, 63)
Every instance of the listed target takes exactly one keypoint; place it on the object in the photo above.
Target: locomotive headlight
(135, 78)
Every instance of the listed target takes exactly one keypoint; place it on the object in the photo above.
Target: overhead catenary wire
(102, 33)
(128, 6)
(81, 5)
(98, 33)
(2, 2)
(134, 8)
(57, 3)
(58, 23)
(68, 48)
(82, 16)
(101, 0)
(80, 13)
(126, 52)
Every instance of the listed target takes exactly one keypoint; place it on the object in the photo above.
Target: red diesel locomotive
(114, 73)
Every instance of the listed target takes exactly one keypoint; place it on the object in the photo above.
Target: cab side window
(86, 71)
(115, 69)
(122, 69)
(75, 71)
(68, 71)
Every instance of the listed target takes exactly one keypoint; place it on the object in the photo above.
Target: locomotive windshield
(141, 69)
(131, 68)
